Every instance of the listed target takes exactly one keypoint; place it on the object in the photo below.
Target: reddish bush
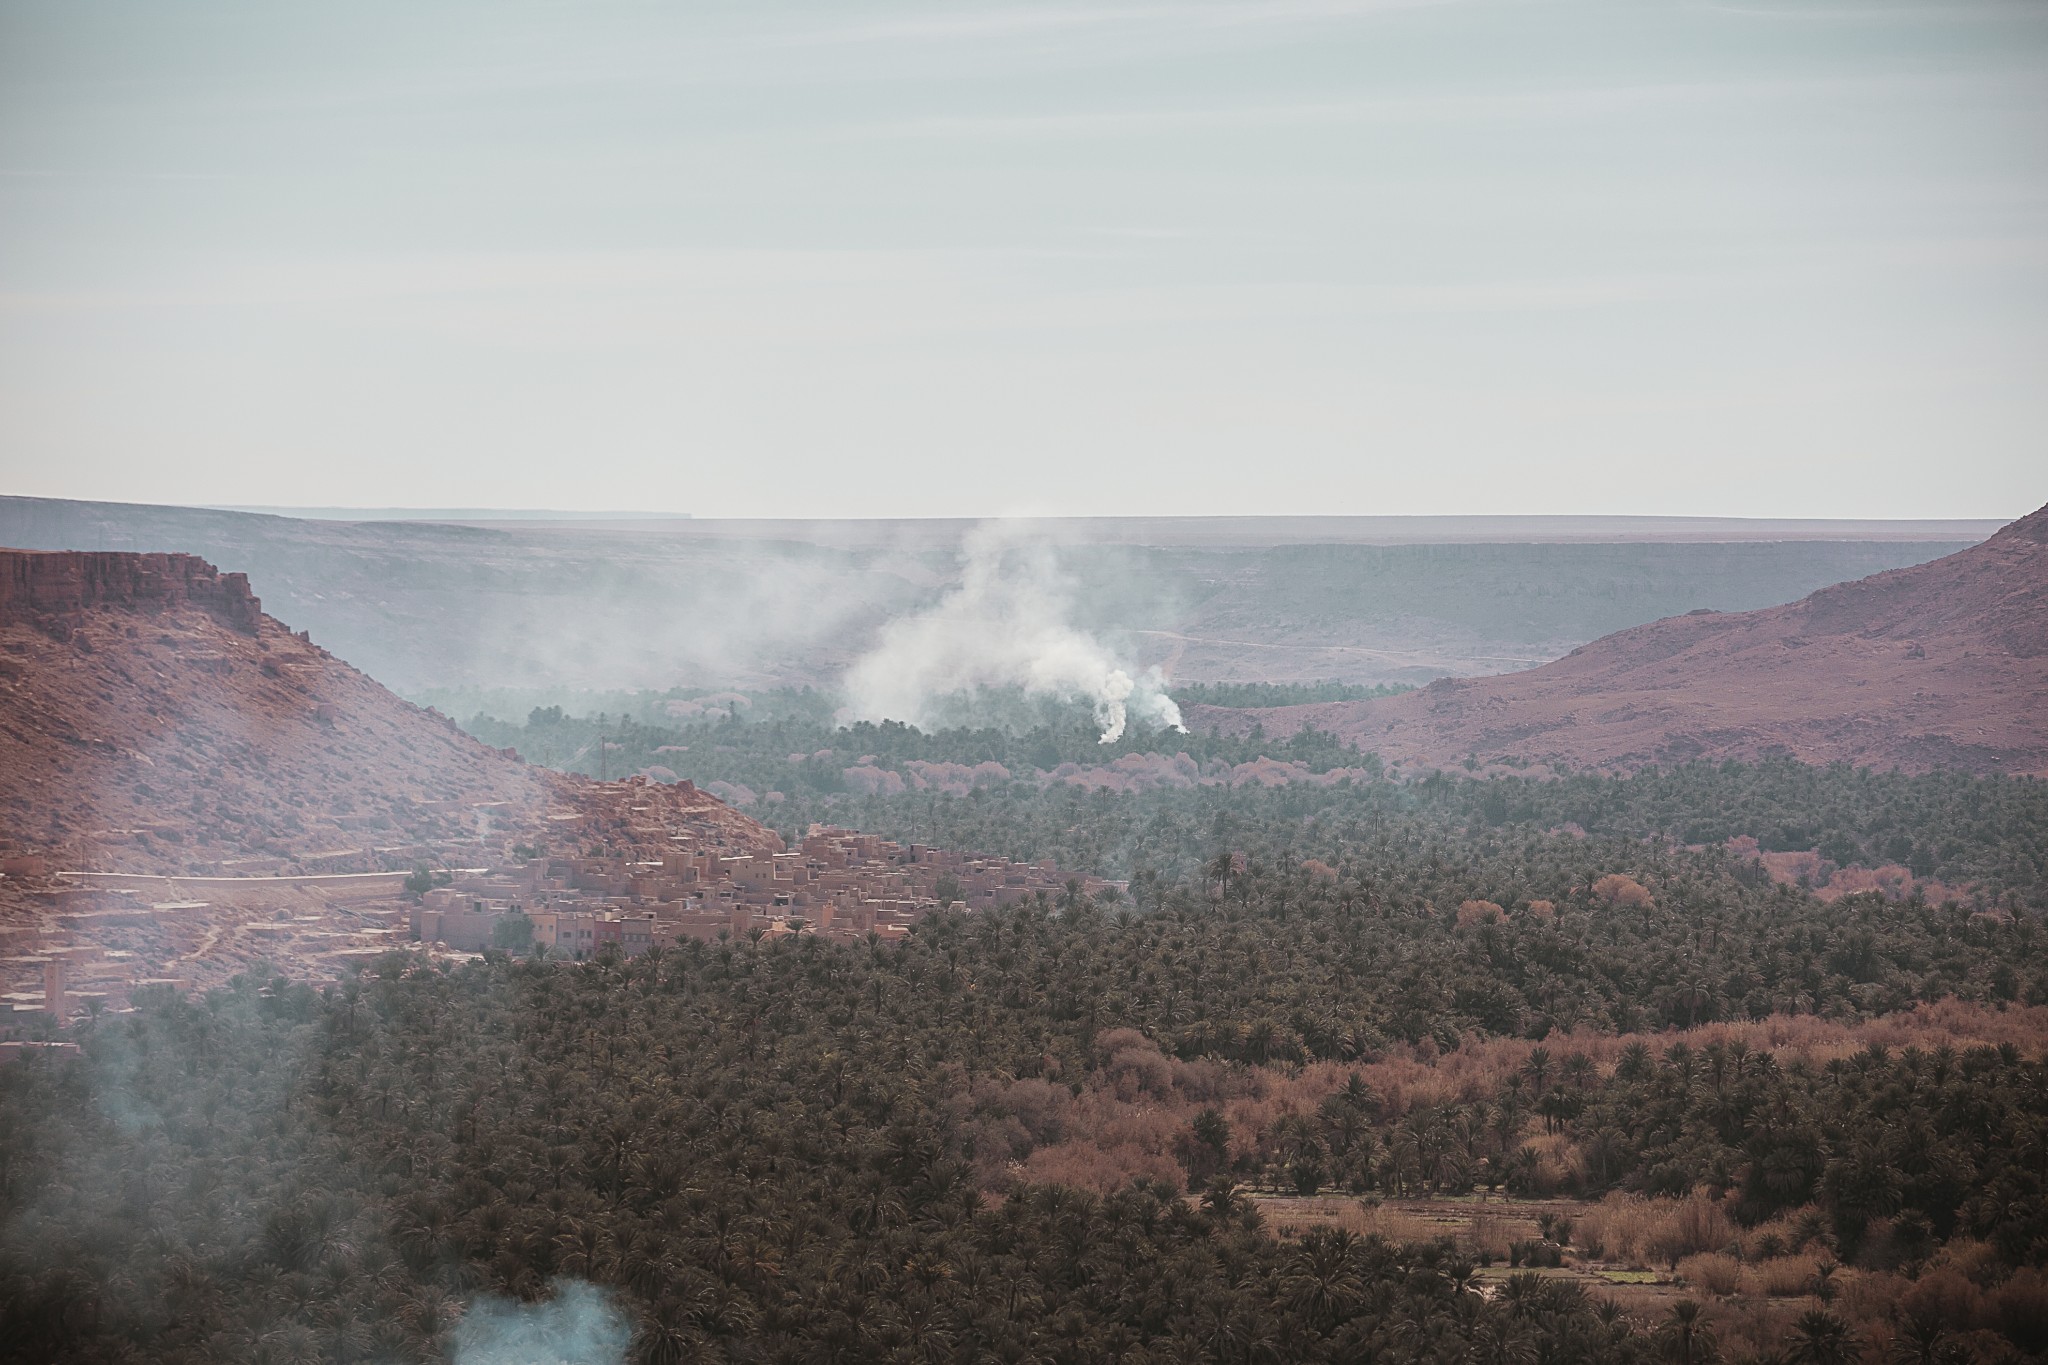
(1039, 1106)
(2019, 1310)
(1621, 892)
(1084, 1166)
(1478, 912)
(1711, 1272)
(1135, 1066)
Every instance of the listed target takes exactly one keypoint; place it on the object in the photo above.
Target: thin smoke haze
(579, 1326)
(1009, 624)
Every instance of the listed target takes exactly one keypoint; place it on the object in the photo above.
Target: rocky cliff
(62, 583)
(152, 718)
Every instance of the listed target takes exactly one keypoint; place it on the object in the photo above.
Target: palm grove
(1050, 1133)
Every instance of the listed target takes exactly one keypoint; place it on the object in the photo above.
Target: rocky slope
(153, 718)
(1941, 665)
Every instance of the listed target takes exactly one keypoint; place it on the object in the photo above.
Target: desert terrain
(1942, 665)
(439, 609)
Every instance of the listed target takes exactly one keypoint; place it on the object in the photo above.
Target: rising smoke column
(1006, 625)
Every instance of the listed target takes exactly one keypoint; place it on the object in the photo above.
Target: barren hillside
(1942, 665)
(152, 718)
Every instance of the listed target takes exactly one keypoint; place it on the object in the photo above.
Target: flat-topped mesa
(36, 583)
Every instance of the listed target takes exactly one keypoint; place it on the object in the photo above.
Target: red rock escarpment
(61, 582)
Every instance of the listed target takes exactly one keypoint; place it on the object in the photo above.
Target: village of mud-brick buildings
(837, 884)
(99, 938)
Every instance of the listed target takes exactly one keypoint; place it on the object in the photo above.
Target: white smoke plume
(578, 1326)
(1007, 625)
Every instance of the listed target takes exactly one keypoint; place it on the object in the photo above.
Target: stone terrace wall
(62, 582)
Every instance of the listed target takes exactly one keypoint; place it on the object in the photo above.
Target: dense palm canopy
(768, 1151)
(747, 1146)
(1990, 833)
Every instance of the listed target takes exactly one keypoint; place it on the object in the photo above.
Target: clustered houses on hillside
(838, 883)
(91, 946)
(88, 943)
(626, 866)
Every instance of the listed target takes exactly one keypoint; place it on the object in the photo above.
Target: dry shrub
(1084, 1166)
(1109, 1042)
(1488, 1238)
(1395, 1225)
(1692, 1224)
(1251, 1119)
(1134, 1065)
(2019, 1310)
(1792, 867)
(1133, 1073)
(1408, 1077)
(1712, 1272)
(1291, 1216)
(1975, 1259)
(1479, 912)
(1891, 881)
(1783, 1277)
(1147, 1127)
(1946, 1295)
(1754, 1330)
(1040, 1106)
(1616, 1225)
(1543, 912)
(1619, 891)
(1204, 1081)
(1870, 1297)
(1141, 1098)
(1419, 1077)
(1636, 1230)
(1781, 1236)
(1558, 1165)
(996, 1142)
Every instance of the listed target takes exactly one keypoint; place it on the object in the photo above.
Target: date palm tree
(1821, 1338)
(1685, 1337)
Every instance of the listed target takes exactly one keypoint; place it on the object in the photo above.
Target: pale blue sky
(918, 258)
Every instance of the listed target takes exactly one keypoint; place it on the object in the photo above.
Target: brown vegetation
(1129, 1118)
(1134, 1117)
(1642, 1232)
(1479, 912)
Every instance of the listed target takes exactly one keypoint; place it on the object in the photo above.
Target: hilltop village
(655, 862)
(633, 865)
(838, 884)
(191, 793)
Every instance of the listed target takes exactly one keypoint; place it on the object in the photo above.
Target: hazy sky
(920, 258)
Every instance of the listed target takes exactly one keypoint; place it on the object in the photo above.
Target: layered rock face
(63, 582)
